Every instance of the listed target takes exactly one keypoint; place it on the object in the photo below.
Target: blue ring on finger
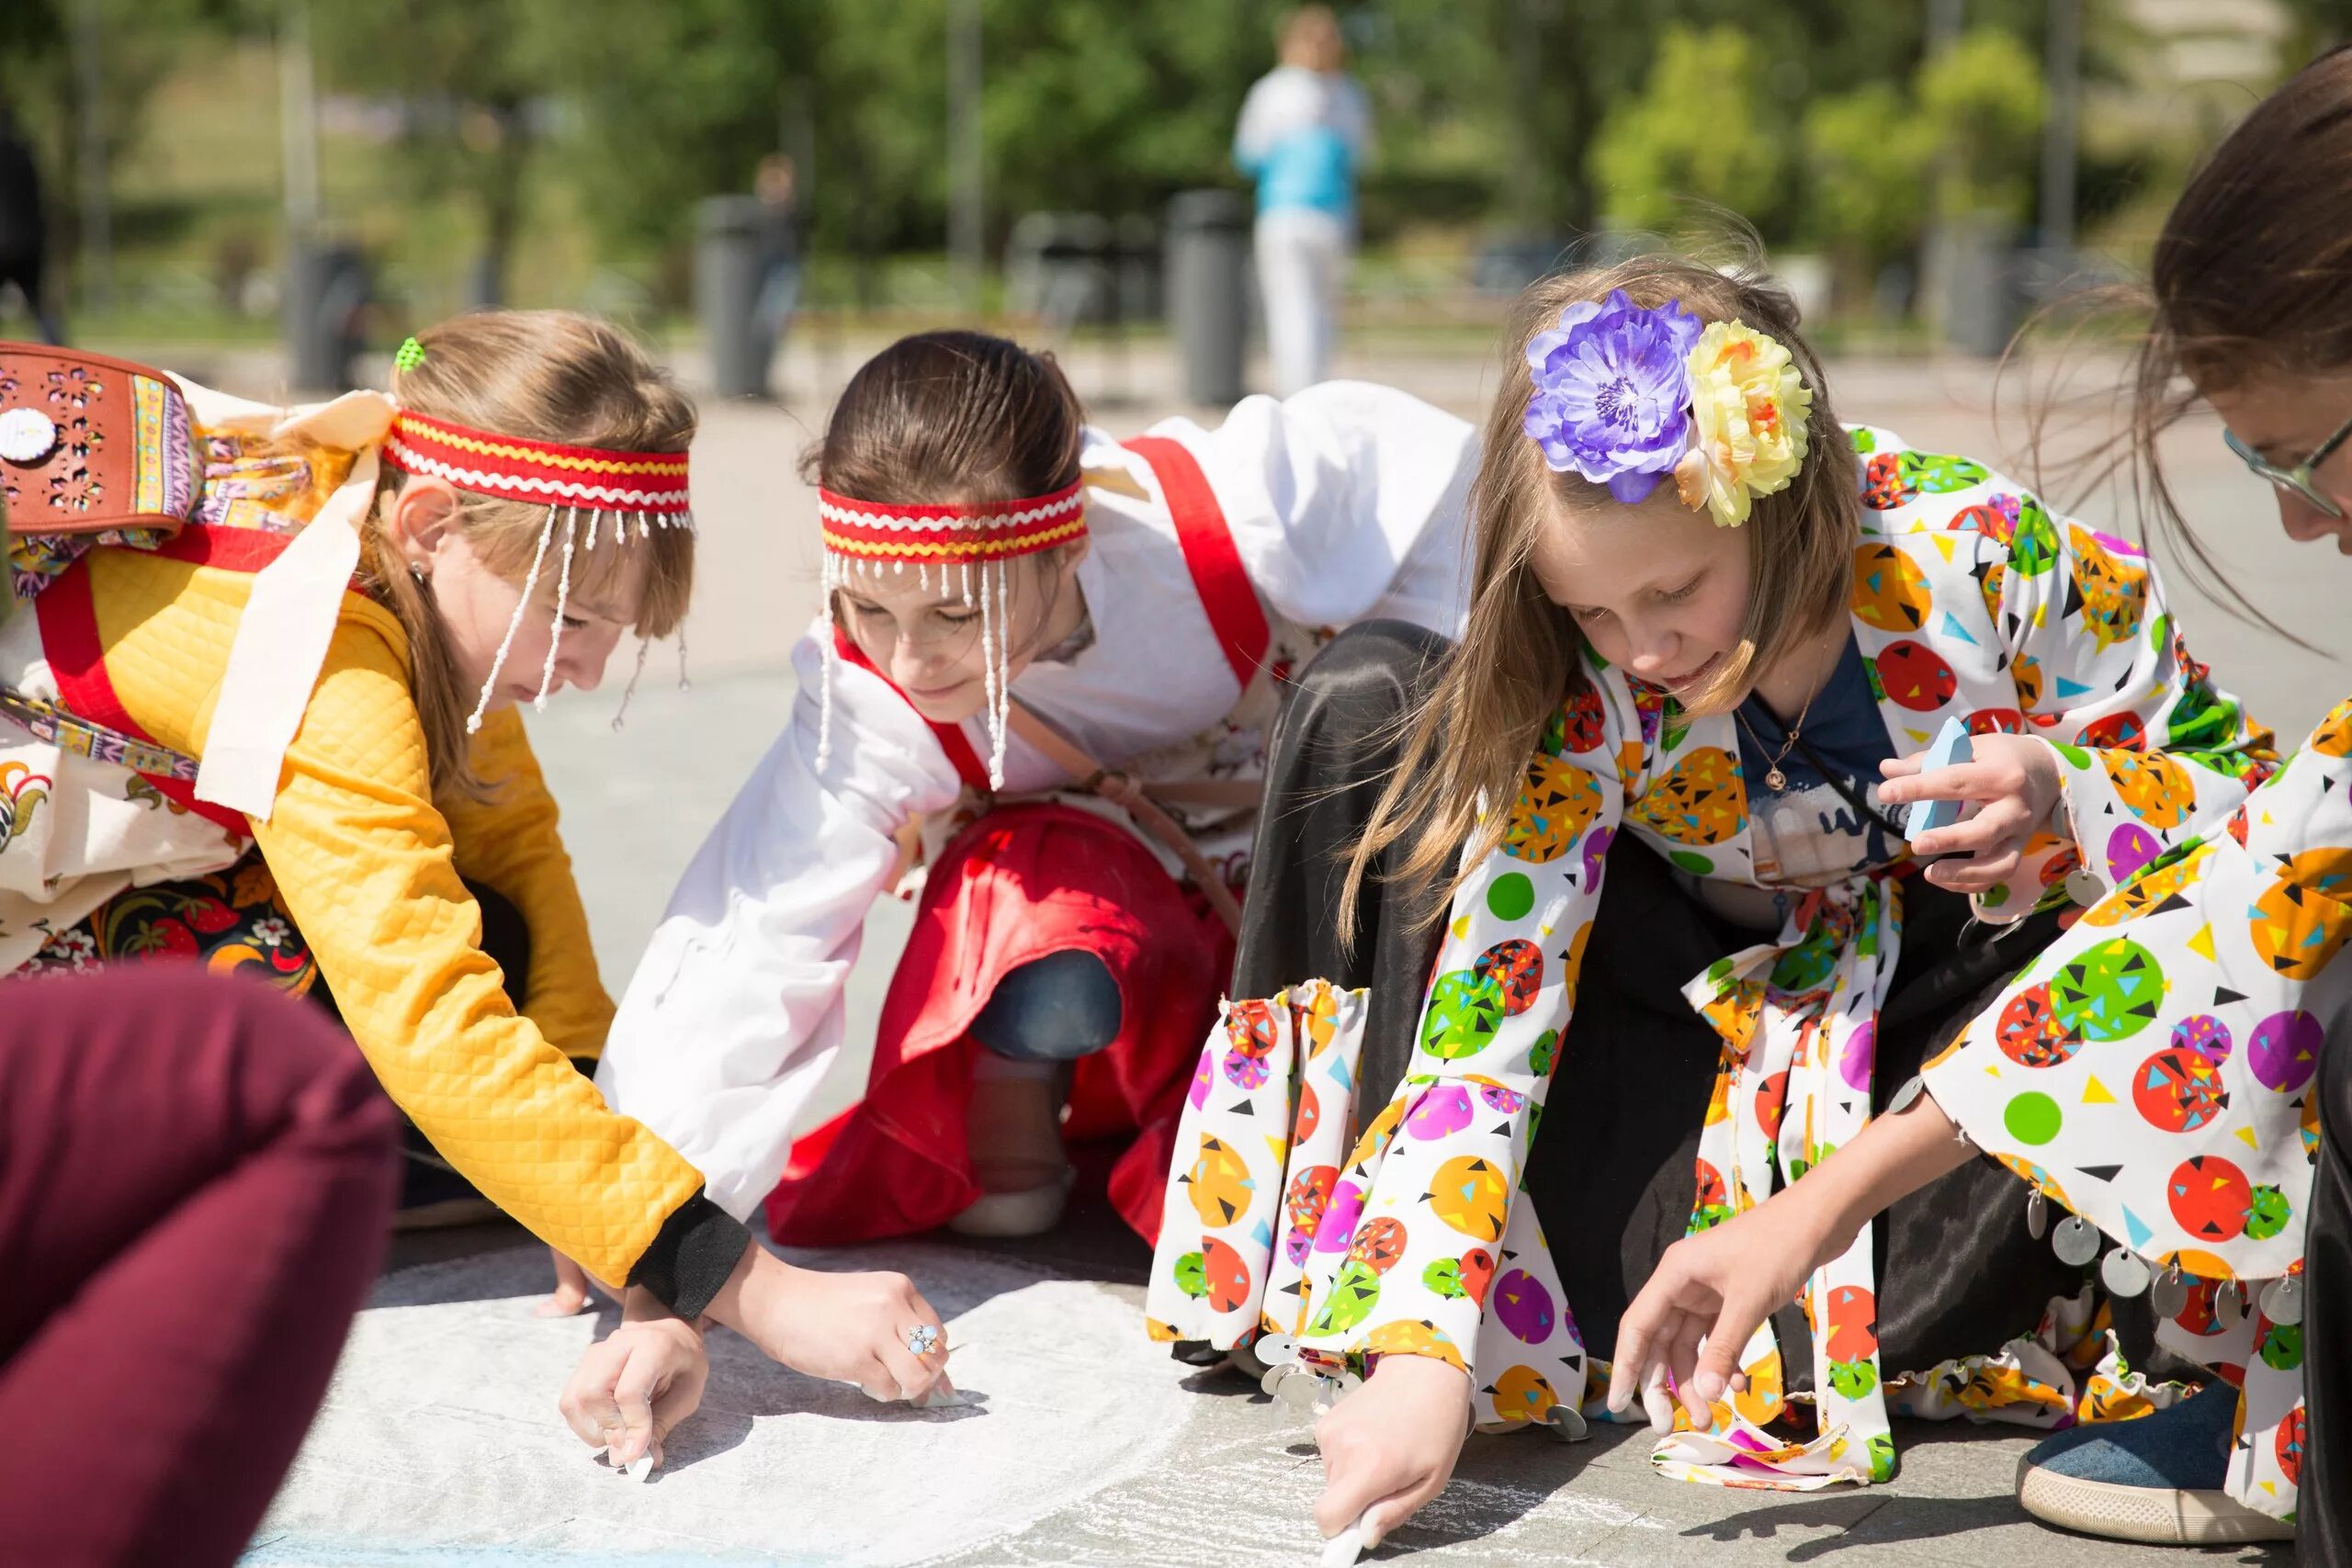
(922, 1339)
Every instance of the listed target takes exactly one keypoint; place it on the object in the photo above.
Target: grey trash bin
(327, 292)
(1207, 290)
(726, 294)
(1973, 272)
(1057, 268)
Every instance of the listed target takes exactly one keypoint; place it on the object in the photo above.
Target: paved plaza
(1085, 1444)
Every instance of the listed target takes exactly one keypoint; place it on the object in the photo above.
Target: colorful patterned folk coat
(2156, 1071)
(1397, 1229)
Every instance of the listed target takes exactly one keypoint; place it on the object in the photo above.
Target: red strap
(1235, 614)
(69, 641)
(69, 636)
(968, 766)
(224, 550)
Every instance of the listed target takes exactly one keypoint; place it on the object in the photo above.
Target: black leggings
(1614, 1184)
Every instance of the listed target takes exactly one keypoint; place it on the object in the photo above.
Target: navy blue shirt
(1806, 834)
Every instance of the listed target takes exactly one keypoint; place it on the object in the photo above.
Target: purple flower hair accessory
(1613, 392)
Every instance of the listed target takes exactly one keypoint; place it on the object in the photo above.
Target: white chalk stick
(642, 1467)
(1342, 1549)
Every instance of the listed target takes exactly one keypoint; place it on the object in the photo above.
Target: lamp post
(2058, 132)
(297, 121)
(966, 231)
(98, 218)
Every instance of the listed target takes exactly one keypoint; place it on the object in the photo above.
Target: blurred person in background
(777, 185)
(24, 231)
(1303, 131)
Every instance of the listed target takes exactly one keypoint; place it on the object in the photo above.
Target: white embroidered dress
(1345, 502)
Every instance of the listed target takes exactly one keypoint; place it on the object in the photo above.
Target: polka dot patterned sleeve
(2149, 750)
(2155, 1071)
(1422, 1248)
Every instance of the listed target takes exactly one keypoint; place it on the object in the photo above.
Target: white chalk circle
(448, 1386)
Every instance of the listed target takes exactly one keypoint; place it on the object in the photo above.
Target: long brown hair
(547, 376)
(2252, 275)
(950, 417)
(1520, 651)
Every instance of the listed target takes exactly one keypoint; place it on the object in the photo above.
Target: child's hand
(1390, 1445)
(849, 1328)
(2012, 781)
(571, 1292)
(1718, 1286)
(632, 1388)
(1721, 1284)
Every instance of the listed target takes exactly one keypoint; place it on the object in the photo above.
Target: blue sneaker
(2158, 1479)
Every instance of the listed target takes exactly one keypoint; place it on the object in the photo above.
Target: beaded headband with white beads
(967, 546)
(610, 489)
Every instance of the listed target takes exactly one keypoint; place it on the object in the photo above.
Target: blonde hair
(1310, 37)
(547, 376)
(1519, 653)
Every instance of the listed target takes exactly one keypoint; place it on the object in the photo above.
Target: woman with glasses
(2172, 1069)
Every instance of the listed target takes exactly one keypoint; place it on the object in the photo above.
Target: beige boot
(1014, 1130)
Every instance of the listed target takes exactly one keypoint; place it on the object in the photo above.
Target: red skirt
(1019, 885)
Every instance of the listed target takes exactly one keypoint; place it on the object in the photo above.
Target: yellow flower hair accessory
(1748, 414)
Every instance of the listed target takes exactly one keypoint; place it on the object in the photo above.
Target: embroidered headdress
(965, 549)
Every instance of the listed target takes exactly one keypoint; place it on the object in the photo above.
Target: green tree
(1868, 154)
(1087, 103)
(468, 78)
(138, 42)
(1703, 127)
(1985, 101)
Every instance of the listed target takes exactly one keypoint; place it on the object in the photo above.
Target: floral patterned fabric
(2155, 1071)
(1969, 601)
(233, 920)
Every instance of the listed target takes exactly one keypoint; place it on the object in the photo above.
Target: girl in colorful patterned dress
(272, 722)
(1705, 616)
(2172, 1068)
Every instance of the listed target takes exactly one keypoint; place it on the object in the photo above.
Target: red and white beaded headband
(517, 468)
(968, 547)
(951, 535)
(606, 484)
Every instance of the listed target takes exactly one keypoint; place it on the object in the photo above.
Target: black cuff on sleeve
(690, 1261)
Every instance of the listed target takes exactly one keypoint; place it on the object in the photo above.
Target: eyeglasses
(2296, 482)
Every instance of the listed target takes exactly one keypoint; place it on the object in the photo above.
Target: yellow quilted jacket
(369, 866)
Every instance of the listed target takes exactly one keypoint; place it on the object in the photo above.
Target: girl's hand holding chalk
(631, 1389)
(2012, 783)
(1388, 1448)
(857, 1328)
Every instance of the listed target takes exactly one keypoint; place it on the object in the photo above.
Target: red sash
(70, 641)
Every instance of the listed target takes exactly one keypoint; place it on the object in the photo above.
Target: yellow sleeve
(508, 843)
(366, 868)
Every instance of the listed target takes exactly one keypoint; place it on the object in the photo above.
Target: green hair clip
(411, 355)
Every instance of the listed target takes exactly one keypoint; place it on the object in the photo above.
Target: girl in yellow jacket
(261, 712)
